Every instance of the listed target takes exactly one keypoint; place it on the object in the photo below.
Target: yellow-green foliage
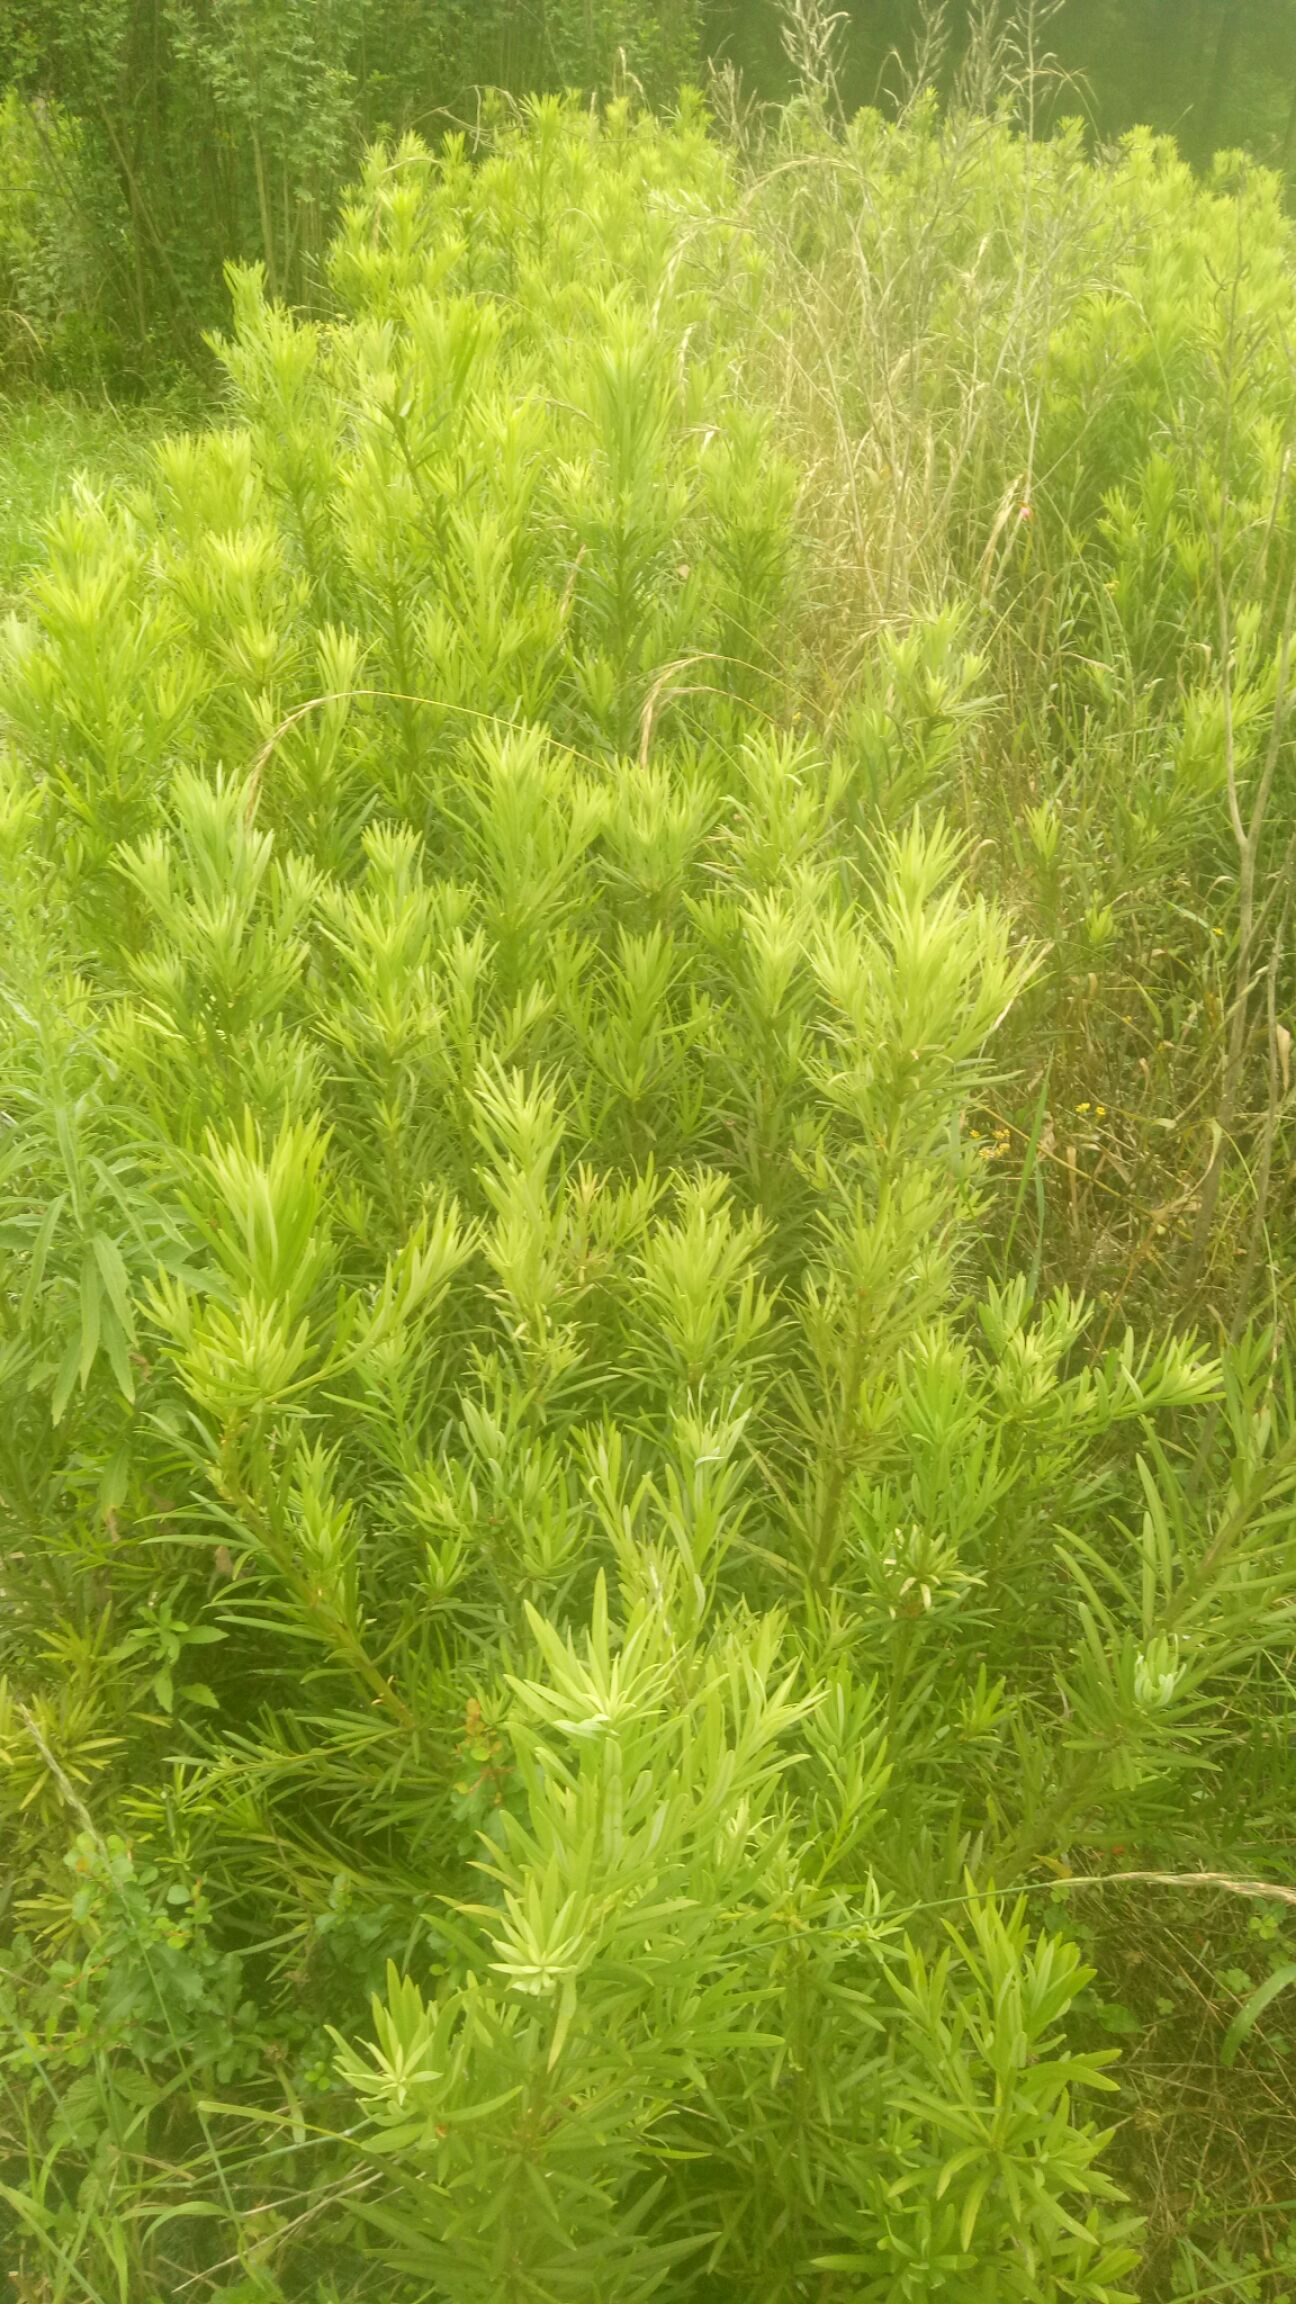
(561, 1571)
(1055, 398)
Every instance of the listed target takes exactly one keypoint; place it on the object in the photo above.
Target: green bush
(54, 324)
(567, 1588)
(1054, 399)
(163, 138)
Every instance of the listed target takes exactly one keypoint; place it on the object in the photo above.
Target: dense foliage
(144, 143)
(1213, 73)
(158, 139)
(644, 1414)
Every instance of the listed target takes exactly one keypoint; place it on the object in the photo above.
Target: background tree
(191, 133)
(1211, 72)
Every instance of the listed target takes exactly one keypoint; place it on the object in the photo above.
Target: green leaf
(39, 1254)
(115, 1345)
(116, 1280)
(1252, 2010)
(90, 1321)
(66, 1377)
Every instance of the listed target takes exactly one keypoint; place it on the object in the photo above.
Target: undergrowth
(646, 1441)
(46, 442)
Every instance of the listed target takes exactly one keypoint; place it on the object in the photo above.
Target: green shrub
(562, 1584)
(53, 321)
(161, 139)
(1054, 398)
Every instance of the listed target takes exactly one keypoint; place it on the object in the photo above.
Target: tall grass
(1044, 411)
(47, 442)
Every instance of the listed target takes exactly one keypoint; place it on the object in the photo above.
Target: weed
(612, 1509)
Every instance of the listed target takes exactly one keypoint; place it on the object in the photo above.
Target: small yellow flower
(1083, 1107)
(1100, 1111)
